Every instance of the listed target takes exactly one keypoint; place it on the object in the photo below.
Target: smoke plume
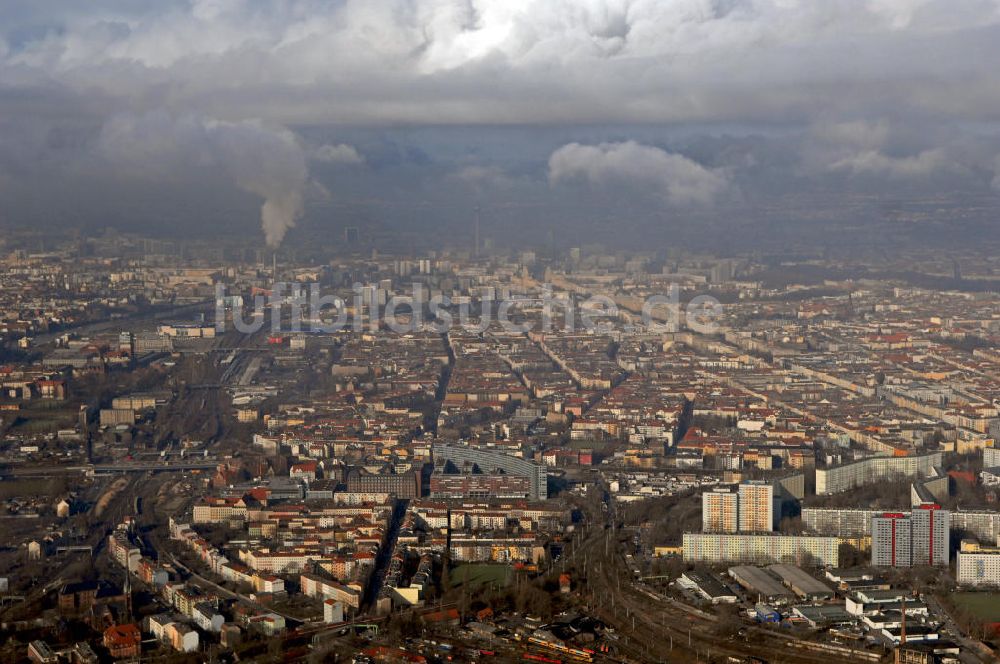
(262, 160)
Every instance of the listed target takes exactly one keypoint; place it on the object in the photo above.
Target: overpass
(79, 548)
(108, 469)
(165, 467)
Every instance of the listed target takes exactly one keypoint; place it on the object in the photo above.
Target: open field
(985, 606)
(26, 488)
(474, 575)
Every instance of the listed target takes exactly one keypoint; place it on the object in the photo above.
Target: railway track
(651, 628)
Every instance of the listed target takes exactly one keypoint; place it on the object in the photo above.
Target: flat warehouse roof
(799, 580)
(759, 580)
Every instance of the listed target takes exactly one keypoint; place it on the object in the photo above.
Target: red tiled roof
(122, 635)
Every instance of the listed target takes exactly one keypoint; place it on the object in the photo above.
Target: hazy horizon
(749, 122)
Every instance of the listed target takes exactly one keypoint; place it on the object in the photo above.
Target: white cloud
(870, 149)
(483, 61)
(573, 70)
(680, 180)
(921, 165)
(339, 153)
(478, 174)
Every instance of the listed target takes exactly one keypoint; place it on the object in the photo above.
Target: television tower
(475, 251)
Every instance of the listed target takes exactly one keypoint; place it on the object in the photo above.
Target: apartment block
(489, 461)
(837, 479)
(850, 522)
(891, 534)
(760, 548)
(838, 522)
(756, 513)
(977, 565)
(991, 455)
(920, 538)
(720, 511)
(930, 535)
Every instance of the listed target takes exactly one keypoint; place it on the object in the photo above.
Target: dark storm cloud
(432, 61)
(260, 160)
(748, 96)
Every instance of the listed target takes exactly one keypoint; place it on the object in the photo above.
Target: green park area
(984, 606)
(474, 576)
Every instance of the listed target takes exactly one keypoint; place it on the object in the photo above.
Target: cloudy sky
(629, 116)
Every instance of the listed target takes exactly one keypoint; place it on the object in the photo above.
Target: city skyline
(590, 331)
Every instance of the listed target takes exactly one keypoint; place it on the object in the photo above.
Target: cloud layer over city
(696, 101)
